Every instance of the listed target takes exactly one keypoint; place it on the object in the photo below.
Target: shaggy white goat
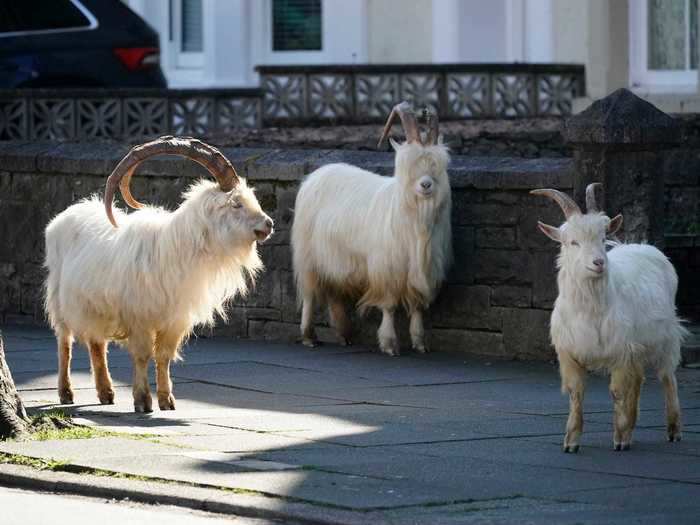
(615, 312)
(383, 240)
(151, 280)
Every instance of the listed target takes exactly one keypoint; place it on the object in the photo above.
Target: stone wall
(500, 289)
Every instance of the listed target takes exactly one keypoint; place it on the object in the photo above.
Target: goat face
(422, 170)
(583, 236)
(583, 239)
(237, 216)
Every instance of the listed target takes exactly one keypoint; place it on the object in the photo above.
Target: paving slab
(417, 439)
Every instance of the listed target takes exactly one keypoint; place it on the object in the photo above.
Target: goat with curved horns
(381, 241)
(149, 281)
(615, 312)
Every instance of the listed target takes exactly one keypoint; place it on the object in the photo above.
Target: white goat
(383, 240)
(615, 312)
(154, 278)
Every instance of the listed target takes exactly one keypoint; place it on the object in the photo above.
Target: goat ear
(615, 224)
(394, 144)
(550, 231)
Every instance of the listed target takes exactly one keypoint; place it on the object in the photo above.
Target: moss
(37, 463)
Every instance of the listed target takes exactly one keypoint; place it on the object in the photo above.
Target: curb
(191, 497)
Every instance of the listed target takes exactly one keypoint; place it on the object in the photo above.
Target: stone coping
(99, 158)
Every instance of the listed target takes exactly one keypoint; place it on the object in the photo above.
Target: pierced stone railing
(366, 93)
(66, 114)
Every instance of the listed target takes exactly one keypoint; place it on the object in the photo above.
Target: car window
(43, 15)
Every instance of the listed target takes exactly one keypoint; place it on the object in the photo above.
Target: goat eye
(575, 243)
(237, 204)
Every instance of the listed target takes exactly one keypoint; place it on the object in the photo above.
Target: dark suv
(76, 43)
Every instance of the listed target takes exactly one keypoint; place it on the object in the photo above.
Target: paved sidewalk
(346, 435)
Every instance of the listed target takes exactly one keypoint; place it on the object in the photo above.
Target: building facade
(650, 46)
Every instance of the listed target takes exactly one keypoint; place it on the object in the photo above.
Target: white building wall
(399, 31)
(482, 27)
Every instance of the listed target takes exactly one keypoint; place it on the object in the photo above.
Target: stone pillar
(621, 141)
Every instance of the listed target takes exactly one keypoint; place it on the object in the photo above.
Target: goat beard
(421, 263)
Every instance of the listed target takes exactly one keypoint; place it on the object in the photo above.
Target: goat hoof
(571, 449)
(309, 343)
(674, 437)
(344, 341)
(621, 447)
(65, 396)
(421, 348)
(106, 397)
(389, 346)
(143, 404)
(166, 402)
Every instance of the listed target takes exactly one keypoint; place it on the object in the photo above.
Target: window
(187, 33)
(192, 35)
(672, 35)
(44, 16)
(664, 44)
(296, 25)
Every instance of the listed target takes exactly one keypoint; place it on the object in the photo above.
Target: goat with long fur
(149, 281)
(381, 241)
(615, 312)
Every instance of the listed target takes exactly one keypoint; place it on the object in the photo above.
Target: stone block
(266, 293)
(97, 158)
(273, 331)
(502, 266)
(467, 214)
(544, 285)
(235, 326)
(495, 237)
(622, 118)
(467, 341)
(283, 165)
(286, 197)
(526, 333)
(376, 162)
(518, 296)
(460, 306)
(463, 246)
(501, 197)
(535, 208)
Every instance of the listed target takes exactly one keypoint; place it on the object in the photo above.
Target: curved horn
(591, 205)
(408, 121)
(567, 204)
(434, 130)
(204, 154)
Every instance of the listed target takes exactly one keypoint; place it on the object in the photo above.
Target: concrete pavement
(345, 435)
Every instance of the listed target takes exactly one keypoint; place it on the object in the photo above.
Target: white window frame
(642, 78)
(331, 26)
(185, 59)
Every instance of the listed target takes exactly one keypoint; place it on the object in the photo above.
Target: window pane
(192, 34)
(296, 25)
(667, 34)
(693, 34)
(40, 15)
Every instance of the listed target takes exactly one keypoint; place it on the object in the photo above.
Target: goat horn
(566, 203)
(204, 154)
(408, 121)
(434, 130)
(591, 205)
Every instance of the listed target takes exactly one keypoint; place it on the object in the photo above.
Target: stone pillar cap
(622, 118)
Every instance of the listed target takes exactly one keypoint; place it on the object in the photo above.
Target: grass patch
(73, 432)
(37, 463)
